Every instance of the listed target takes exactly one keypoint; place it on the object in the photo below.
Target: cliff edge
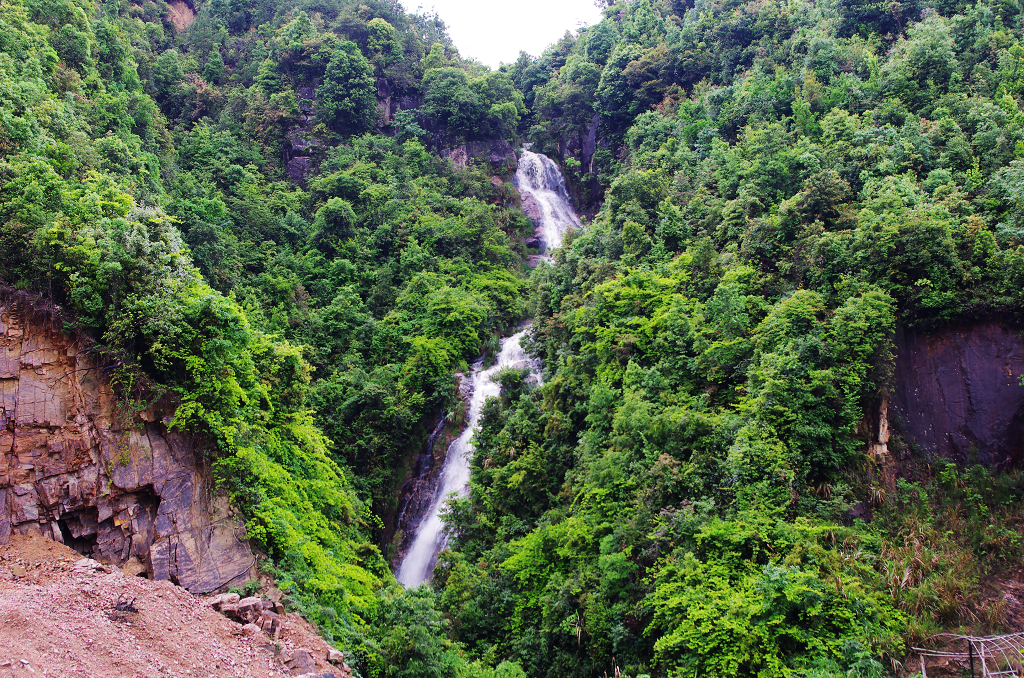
(121, 489)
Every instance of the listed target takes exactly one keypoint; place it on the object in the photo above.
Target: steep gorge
(546, 203)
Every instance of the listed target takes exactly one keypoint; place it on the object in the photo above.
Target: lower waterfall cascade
(430, 536)
(540, 177)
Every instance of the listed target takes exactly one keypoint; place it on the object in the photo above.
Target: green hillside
(783, 186)
(249, 209)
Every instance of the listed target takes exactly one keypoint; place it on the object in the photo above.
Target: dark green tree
(347, 98)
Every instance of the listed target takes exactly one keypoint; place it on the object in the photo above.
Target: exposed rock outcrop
(498, 152)
(302, 147)
(957, 393)
(114, 488)
(384, 105)
(181, 13)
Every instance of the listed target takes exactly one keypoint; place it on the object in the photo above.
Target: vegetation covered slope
(307, 329)
(780, 187)
(690, 491)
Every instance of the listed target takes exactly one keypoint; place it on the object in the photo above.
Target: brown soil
(57, 620)
(181, 14)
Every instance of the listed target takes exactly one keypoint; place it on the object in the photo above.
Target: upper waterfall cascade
(539, 177)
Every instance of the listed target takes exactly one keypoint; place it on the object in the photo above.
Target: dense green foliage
(782, 186)
(776, 189)
(308, 332)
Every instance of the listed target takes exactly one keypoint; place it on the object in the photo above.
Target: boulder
(217, 602)
(249, 609)
(297, 662)
(270, 622)
(90, 566)
(249, 630)
(532, 209)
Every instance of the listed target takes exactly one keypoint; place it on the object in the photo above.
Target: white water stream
(540, 177)
(430, 536)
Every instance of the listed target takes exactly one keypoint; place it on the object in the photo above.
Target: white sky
(495, 31)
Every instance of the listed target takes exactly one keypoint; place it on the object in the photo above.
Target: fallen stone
(91, 566)
(18, 571)
(298, 662)
(335, 656)
(250, 609)
(250, 630)
(270, 623)
(133, 567)
(229, 610)
(223, 599)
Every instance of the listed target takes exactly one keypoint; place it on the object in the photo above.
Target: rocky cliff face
(498, 152)
(957, 393)
(122, 490)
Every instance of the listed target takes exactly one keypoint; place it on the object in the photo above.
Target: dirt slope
(62, 619)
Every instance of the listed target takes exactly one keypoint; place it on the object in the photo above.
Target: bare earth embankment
(61, 615)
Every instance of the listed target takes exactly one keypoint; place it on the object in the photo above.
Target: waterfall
(545, 199)
(430, 537)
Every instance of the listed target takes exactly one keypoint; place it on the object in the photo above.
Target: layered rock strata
(115, 487)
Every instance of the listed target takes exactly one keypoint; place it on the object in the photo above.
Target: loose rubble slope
(59, 616)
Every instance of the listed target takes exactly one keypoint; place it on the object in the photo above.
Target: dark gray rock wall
(957, 393)
(498, 152)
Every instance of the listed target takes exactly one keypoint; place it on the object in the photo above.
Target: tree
(335, 220)
(348, 96)
(167, 73)
(450, 100)
(267, 78)
(214, 69)
(599, 42)
(383, 44)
